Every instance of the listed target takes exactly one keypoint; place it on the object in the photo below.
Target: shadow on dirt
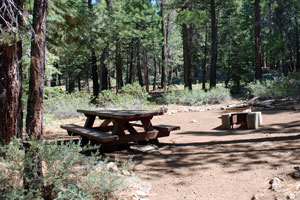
(234, 156)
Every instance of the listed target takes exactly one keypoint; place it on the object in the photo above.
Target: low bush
(197, 97)
(278, 87)
(65, 105)
(131, 96)
(67, 174)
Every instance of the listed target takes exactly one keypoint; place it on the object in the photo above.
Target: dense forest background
(159, 43)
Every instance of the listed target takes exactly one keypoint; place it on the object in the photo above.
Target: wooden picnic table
(113, 129)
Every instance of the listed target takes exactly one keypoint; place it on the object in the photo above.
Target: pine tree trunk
(297, 43)
(155, 73)
(138, 63)
(34, 119)
(164, 49)
(205, 60)
(79, 82)
(119, 65)
(257, 37)
(146, 74)
(10, 79)
(214, 46)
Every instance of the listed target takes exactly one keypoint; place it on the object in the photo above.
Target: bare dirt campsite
(202, 161)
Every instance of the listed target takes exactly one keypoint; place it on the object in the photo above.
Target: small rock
(223, 108)
(258, 197)
(297, 168)
(141, 193)
(208, 108)
(276, 185)
(112, 165)
(296, 174)
(194, 121)
(145, 186)
(291, 196)
(125, 173)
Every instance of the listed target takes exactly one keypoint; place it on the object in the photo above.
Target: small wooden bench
(249, 119)
(90, 133)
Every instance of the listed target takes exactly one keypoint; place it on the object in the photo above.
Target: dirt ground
(202, 161)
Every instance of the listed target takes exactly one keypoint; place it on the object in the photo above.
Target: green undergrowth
(131, 96)
(196, 97)
(278, 87)
(66, 172)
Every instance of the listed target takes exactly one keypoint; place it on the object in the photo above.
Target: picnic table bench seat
(164, 130)
(90, 133)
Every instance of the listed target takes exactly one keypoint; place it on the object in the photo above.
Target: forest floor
(202, 161)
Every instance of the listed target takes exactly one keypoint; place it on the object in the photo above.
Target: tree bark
(155, 73)
(164, 48)
(10, 77)
(34, 119)
(138, 62)
(257, 37)
(146, 74)
(205, 59)
(297, 43)
(119, 65)
(214, 46)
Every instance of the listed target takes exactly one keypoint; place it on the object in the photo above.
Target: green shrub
(67, 174)
(277, 88)
(65, 105)
(197, 97)
(131, 96)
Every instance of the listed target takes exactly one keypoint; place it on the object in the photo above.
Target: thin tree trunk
(119, 65)
(79, 82)
(34, 119)
(155, 73)
(297, 43)
(138, 63)
(205, 59)
(146, 76)
(10, 78)
(164, 48)
(214, 46)
(257, 37)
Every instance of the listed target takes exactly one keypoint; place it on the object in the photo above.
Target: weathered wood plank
(121, 114)
(90, 133)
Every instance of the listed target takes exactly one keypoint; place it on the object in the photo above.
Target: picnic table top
(121, 114)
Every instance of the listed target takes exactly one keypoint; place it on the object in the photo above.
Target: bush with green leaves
(277, 88)
(67, 174)
(65, 105)
(197, 97)
(130, 96)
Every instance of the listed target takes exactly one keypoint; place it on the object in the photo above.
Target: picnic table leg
(148, 127)
(130, 128)
(119, 127)
(89, 121)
